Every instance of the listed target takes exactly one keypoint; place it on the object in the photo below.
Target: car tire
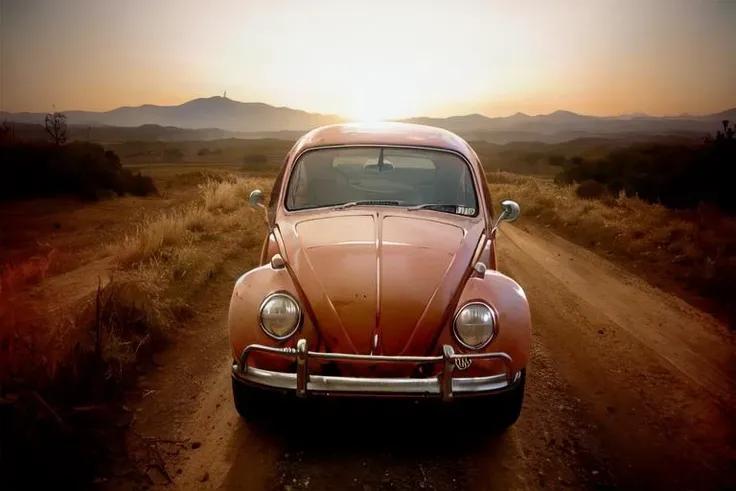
(500, 411)
(508, 405)
(249, 402)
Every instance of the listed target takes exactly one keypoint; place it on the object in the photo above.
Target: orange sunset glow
(370, 60)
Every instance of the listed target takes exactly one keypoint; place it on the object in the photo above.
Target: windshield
(406, 177)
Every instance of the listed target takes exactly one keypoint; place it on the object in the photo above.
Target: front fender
(244, 316)
(513, 335)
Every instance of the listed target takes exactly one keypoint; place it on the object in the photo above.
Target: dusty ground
(628, 388)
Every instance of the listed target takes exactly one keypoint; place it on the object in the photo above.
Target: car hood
(376, 282)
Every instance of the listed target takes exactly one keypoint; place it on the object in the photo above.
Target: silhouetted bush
(173, 155)
(677, 176)
(590, 189)
(82, 169)
(140, 185)
(255, 160)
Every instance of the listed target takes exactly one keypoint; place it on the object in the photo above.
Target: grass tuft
(225, 196)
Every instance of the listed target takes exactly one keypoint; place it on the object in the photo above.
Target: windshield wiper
(436, 206)
(467, 211)
(380, 202)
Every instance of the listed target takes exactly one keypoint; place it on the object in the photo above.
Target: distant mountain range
(222, 117)
(212, 112)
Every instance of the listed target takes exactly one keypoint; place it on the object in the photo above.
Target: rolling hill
(220, 117)
(213, 112)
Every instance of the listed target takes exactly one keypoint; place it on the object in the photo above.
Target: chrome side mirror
(256, 198)
(510, 211)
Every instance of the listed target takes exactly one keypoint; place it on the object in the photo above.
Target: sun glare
(378, 106)
(381, 99)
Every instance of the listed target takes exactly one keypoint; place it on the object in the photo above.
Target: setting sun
(376, 99)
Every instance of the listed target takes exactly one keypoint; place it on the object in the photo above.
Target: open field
(115, 346)
(59, 234)
(92, 290)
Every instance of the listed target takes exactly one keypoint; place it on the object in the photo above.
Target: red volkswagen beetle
(378, 276)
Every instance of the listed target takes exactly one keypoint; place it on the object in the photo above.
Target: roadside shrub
(86, 170)
(590, 190)
(255, 160)
(225, 196)
(141, 185)
(500, 177)
(679, 176)
(172, 155)
(260, 164)
(168, 229)
(563, 179)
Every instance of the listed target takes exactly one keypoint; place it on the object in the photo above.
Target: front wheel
(249, 402)
(508, 406)
(499, 411)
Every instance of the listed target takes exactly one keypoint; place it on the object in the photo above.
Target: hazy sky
(373, 58)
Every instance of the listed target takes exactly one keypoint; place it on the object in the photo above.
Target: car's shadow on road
(367, 442)
(376, 422)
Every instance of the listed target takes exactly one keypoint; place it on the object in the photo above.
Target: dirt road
(628, 388)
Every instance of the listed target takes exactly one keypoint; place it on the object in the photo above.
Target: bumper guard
(444, 385)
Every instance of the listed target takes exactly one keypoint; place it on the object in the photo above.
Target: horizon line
(517, 113)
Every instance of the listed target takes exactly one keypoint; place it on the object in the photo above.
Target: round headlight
(280, 315)
(475, 325)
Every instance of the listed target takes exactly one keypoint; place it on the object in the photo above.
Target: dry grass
(159, 268)
(225, 196)
(158, 236)
(65, 343)
(169, 229)
(31, 270)
(695, 250)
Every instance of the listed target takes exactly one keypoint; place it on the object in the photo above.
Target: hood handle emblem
(463, 363)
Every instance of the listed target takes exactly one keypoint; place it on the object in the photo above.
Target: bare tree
(55, 126)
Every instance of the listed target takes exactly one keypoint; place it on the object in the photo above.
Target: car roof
(383, 133)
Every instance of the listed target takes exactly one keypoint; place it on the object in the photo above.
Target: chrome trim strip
(378, 224)
(443, 385)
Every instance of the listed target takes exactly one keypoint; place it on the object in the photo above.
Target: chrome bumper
(444, 385)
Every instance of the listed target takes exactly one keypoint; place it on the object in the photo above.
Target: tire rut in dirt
(649, 422)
